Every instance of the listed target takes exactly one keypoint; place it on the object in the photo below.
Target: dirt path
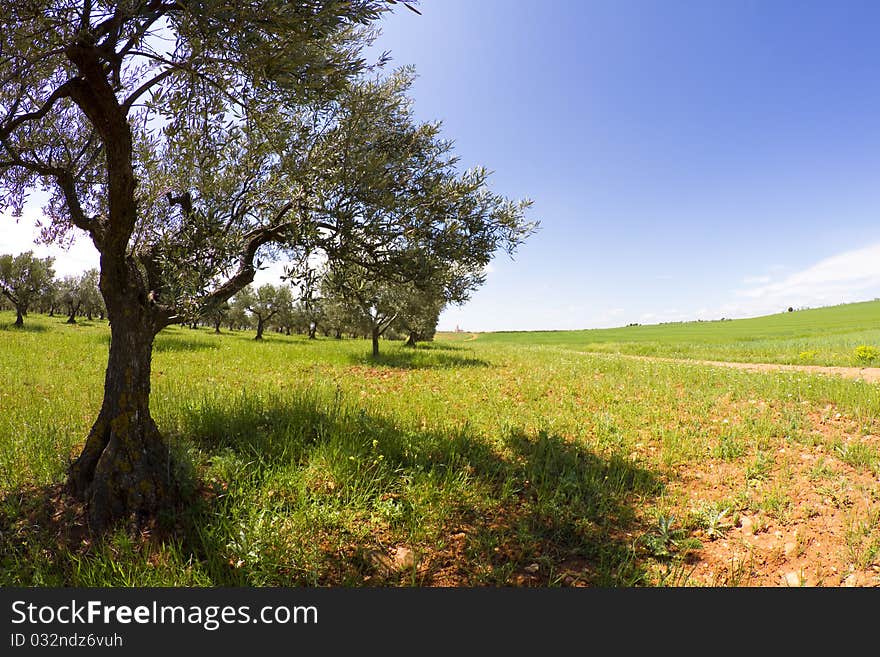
(868, 374)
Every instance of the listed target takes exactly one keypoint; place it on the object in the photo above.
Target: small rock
(404, 558)
(851, 580)
(789, 547)
(793, 579)
(748, 525)
(533, 568)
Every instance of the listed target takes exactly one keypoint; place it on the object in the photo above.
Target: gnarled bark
(124, 470)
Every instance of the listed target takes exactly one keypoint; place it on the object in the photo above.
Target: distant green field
(820, 336)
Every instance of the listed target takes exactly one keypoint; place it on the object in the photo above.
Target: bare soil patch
(868, 374)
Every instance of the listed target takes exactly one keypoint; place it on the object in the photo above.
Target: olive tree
(265, 303)
(80, 295)
(393, 215)
(89, 93)
(24, 278)
(191, 140)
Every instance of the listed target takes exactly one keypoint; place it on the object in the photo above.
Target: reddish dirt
(824, 532)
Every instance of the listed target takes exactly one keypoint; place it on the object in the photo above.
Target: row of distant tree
(331, 303)
(372, 310)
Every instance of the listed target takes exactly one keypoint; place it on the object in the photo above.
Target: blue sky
(687, 159)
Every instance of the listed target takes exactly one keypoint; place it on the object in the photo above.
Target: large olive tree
(192, 139)
(92, 92)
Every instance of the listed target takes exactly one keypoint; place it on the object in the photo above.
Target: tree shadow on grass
(82, 322)
(415, 359)
(39, 526)
(27, 327)
(361, 499)
(309, 491)
(174, 343)
(442, 346)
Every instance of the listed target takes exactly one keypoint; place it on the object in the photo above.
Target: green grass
(495, 464)
(844, 335)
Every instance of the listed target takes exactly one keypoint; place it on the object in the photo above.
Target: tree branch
(64, 91)
(246, 271)
(137, 93)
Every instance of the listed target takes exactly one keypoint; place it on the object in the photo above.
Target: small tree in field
(71, 295)
(418, 316)
(80, 295)
(265, 303)
(23, 280)
(92, 303)
(237, 318)
(50, 299)
(217, 315)
(372, 303)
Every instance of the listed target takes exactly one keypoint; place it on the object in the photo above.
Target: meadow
(816, 336)
(494, 460)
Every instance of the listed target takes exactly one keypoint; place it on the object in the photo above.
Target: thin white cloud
(845, 277)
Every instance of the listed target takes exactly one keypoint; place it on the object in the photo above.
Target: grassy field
(502, 460)
(820, 336)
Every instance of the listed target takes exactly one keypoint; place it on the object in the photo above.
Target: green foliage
(866, 354)
(666, 540)
(715, 520)
(24, 278)
(729, 448)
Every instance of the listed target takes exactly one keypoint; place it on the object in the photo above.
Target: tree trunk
(411, 340)
(124, 469)
(375, 336)
(19, 316)
(260, 323)
(71, 319)
(217, 325)
(312, 330)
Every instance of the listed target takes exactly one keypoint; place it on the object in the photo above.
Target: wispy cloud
(849, 276)
(843, 278)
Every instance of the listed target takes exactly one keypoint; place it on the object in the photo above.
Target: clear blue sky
(686, 159)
